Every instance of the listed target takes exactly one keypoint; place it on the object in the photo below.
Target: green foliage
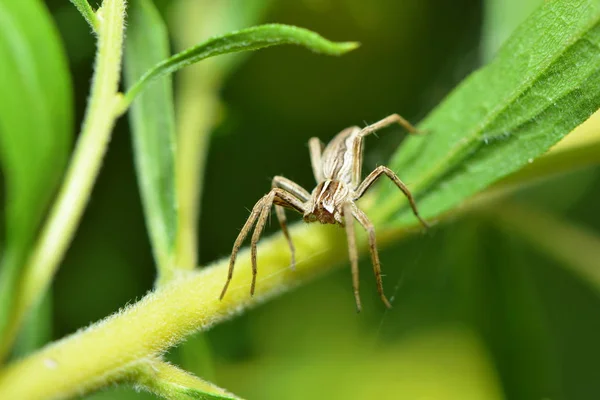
(502, 17)
(153, 128)
(470, 310)
(543, 83)
(35, 130)
(245, 40)
(152, 116)
(170, 382)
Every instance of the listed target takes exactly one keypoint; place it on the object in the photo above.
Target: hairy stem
(168, 315)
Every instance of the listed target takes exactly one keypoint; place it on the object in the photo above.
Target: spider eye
(311, 218)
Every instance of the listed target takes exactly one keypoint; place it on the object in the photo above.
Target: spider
(337, 170)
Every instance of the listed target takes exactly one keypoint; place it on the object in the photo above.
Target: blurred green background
(478, 313)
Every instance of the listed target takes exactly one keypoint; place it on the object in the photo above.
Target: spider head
(324, 213)
(310, 217)
(326, 201)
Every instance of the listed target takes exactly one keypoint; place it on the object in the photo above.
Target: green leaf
(197, 20)
(170, 382)
(195, 356)
(247, 39)
(87, 12)
(501, 17)
(544, 82)
(35, 129)
(153, 128)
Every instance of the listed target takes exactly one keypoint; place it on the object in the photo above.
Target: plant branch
(83, 169)
(197, 109)
(166, 316)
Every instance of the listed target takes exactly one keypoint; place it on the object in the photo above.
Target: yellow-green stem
(83, 169)
(99, 354)
(196, 119)
(197, 107)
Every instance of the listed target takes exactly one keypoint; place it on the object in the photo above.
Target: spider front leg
(387, 121)
(382, 170)
(353, 251)
(259, 215)
(256, 210)
(362, 219)
(299, 192)
(357, 149)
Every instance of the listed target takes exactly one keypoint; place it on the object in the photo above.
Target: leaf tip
(346, 47)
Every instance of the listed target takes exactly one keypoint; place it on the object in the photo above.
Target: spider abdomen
(339, 155)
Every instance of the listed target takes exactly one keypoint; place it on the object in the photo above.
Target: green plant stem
(197, 106)
(87, 12)
(101, 353)
(83, 169)
(196, 119)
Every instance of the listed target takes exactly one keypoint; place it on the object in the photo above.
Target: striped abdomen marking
(339, 156)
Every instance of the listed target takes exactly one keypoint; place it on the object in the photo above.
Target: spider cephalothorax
(337, 169)
(324, 201)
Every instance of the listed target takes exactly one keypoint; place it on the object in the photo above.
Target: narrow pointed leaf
(86, 12)
(247, 39)
(170, 382)
(153, 128)
(543, 83)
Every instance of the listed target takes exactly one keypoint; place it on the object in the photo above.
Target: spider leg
(260, 224)
(298, 191)
(239, 240)
(387, 121)
(357, 149)
(315, 147)
(353, 252)
(278, 197)
(383, 170)
(368, 226)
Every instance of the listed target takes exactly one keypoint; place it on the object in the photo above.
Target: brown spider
(337, 169)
